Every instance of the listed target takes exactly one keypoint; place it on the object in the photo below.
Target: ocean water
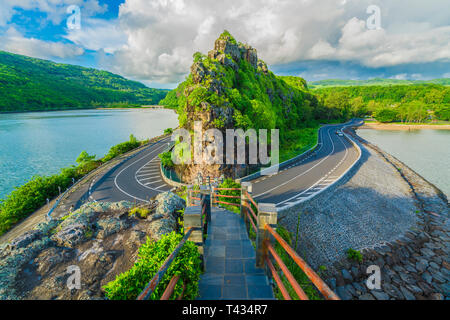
(41, 143)
(425, 151)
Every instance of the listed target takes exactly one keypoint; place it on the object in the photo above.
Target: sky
(153, 41)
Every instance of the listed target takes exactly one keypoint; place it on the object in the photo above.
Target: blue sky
(152, 41)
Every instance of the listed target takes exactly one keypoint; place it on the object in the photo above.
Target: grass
(301, 278)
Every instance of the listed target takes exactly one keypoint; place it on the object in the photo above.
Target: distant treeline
(28, 84)
(406, 103)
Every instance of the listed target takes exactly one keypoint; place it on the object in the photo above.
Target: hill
(29, 84)
(374, 82)
(231, 88)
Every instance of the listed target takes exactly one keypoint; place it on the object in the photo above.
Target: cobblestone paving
(230, 266)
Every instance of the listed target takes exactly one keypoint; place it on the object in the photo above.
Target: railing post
(193, 220)
(188, 196)
(245, 187)
(267, 214)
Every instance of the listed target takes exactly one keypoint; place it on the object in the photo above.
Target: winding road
(139, 178)
(312, 173)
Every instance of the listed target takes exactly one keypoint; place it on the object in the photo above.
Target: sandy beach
(396, 126)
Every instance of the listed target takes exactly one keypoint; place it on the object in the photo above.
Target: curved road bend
(333, 156)
(137, 179)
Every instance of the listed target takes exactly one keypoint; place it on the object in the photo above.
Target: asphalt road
(311, 174)
(137, 179)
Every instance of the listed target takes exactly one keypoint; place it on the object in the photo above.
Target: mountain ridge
(31, 84)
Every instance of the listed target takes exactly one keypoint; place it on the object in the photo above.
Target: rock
(408, 295)
(347, 276)
(25, 239)
(169, 203)
(393, 291)
(109, 226)
(437, 296)
(379, 295)
(51, 257)
(366, 296)
(359, 288)
(427, 277)
(332, 283)
(70, 236)
(343, 293)
(421, 265)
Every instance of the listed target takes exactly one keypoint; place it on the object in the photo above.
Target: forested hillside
(406, 103)
(373, 82)
(29, 84)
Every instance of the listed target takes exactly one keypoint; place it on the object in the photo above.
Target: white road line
(121, 171)
(301, 174)
(313, 187)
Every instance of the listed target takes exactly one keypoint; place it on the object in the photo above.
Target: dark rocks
(408, 295)
(379, 295)
(343, 293)
(347, 276)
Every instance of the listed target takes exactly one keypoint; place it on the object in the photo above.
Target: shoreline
(403, 127)
(88, 108)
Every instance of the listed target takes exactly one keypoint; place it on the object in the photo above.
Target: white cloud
(13, 41)
(162, 35)
(54, 9)
(98, 34)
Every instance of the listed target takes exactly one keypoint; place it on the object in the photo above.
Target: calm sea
(425, 151)
(41, 143)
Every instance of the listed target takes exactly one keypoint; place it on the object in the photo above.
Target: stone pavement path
(230, 266)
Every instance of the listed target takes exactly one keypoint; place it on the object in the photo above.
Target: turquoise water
(41, 143)
(425, 151)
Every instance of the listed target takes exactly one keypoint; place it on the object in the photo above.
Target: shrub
(230, 183)
(354, 255)
(166, 159)
(139, 212)
(122, 148)
(128, 285)
(168, 131)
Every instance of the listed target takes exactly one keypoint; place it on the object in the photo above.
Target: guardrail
(284, 164)
(132, 153)
(261, 218)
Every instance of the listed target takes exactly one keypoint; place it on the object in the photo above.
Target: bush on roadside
(128, 285)
(122, 148)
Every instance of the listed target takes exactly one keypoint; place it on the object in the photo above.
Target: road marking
(314, 187)
(115, 178)
(301, 174)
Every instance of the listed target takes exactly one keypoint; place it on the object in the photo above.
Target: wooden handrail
(228, 203)
(310, 273)
(148, 290)
(226, 196)
(248, 195)
(251, 210)
(170, 287)
(298, 290)
(251, 221)
(278, 281)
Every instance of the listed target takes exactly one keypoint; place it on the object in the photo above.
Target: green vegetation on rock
(29, 84)
(26, 199)
(187, 265)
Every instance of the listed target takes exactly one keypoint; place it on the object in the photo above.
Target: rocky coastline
(395, 218)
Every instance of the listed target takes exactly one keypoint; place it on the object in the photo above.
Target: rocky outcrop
(101, 239)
